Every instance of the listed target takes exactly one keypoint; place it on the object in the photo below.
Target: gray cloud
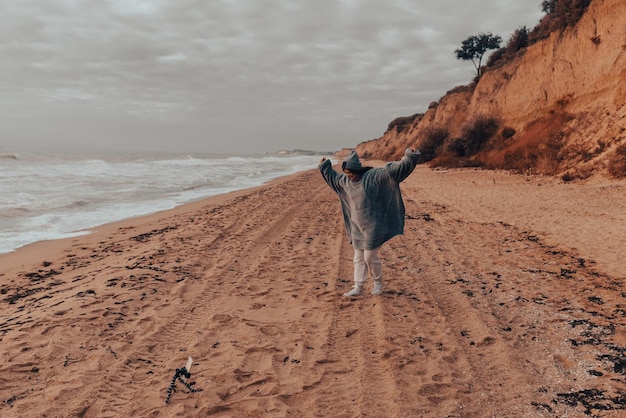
(231, 75)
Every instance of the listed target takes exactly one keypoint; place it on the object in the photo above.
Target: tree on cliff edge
(474, 48)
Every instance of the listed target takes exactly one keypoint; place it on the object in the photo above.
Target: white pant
(364, 261)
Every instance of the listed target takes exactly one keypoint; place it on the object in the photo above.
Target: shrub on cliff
(455, 147)
(617, 163)
(458, 151)
(477, 132)
(559, 15)
(508, 132)
(460, 89)
(518, 41)
(404, 122)
(431, 143)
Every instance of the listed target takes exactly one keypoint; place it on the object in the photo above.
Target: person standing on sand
(373, 211)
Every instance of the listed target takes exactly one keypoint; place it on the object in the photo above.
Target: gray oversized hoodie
(373, 211)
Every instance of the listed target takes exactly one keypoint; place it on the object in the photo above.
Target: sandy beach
(505, 297)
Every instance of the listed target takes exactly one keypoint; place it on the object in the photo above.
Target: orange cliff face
(563, 96)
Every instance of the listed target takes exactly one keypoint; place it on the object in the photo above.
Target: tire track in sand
(210, 320)
(366, 384)
(173, 276)
(487, 318)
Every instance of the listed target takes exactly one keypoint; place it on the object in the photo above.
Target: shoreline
(49, 246)
(498, 301)
(547, 227)
(46, 246)
(62, 203)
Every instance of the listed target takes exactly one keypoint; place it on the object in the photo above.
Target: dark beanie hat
(351, 162)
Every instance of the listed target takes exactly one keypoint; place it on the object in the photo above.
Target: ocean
(48, 196)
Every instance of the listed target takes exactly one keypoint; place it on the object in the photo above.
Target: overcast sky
(231, 75)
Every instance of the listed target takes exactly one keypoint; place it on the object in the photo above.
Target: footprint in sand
(270, 330)
(436, 393)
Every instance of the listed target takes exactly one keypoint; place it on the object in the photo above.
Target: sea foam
(50, 196)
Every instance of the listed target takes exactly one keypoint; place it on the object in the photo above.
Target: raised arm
(400, 170)
(330, 175)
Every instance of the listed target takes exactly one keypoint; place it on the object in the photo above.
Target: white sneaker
(378, 287)
(356, 291)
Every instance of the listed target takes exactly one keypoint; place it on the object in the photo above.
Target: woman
(373, 211)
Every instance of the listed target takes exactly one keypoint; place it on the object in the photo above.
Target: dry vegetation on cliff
(551, 101)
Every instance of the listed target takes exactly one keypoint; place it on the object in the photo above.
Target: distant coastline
(300, 152)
